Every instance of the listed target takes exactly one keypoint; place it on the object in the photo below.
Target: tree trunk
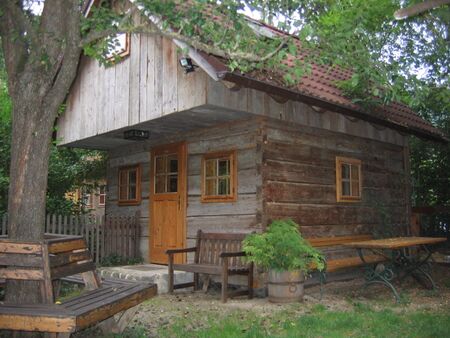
(30, 147)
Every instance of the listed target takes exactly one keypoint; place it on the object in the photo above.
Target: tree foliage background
(69, 169)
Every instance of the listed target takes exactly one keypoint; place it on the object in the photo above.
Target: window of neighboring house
(87, 199)
(130, 185)
(348, 179)
(102, 195)
(219, 177)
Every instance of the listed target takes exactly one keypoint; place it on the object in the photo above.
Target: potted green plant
(287, 256)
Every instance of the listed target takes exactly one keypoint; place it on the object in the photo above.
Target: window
(102, 195)
(87, 200)
(166, 173)
(130, 185)
(348, 179)
(118, 47)
(219, 177)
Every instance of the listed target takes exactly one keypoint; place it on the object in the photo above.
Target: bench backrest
(55, 257)
(211, 244)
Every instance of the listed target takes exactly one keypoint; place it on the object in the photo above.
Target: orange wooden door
(167, 201)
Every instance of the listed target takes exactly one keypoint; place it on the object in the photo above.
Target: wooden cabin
(218, 150)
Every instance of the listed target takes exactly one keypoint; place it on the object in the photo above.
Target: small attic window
(119, 47)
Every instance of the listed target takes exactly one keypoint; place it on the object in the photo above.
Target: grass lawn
(346, 310)
(359, 322)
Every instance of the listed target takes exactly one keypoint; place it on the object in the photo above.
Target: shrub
(282, 248)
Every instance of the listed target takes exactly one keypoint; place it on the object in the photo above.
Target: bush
(282, 248)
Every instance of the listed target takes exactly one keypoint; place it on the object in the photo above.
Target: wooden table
(401, 260)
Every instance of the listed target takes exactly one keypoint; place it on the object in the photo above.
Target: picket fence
(105, 236)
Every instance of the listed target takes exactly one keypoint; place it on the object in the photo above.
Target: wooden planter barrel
(286, 286)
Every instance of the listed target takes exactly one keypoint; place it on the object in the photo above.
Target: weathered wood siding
(260, 103)
(147, 84)
(299, 181)
(242, 215)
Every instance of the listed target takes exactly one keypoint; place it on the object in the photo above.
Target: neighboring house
(91, 200)
(230, 152)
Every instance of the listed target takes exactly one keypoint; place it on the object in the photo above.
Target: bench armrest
(233, 254)
(174, 251)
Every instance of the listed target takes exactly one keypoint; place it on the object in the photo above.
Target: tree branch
(419, 8)
(195, 43)
(13, 26)
(65, 70)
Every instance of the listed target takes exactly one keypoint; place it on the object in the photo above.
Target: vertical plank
(54, 218)
(157, 90)
(143, 75)
(127, 238)
(46, 284)
(121, 94)
(120, 236)
(92, 236)
(65, 226)
(169, 77)
(137, 233)
(134, 108)
(47, 223)
(72, 225)
(97, 240)
(59, 224)
(103, 242)
(77, 226)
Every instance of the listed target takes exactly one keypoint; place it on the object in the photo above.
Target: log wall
(299, 181)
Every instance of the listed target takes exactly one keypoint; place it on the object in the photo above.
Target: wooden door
(167, 201)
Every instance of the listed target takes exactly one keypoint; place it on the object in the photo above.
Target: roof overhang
(289, 94)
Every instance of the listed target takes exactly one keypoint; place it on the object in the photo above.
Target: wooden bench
(58, 257)
(335, 264)
(215, 254)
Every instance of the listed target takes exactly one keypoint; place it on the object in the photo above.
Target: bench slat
(106, 298)
(65, 246)
(108, 310)
(22, 274)
(337, 264)
(40, 322)
(8, 246)
(22, 260)
(71, 269)
(69, 257)
(88, 296)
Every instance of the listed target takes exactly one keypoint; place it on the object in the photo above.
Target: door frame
(181, 148)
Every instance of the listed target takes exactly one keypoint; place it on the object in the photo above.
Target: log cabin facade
(231, 152)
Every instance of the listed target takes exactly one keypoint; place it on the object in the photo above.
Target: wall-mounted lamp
(187, 64)
(136, 135)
